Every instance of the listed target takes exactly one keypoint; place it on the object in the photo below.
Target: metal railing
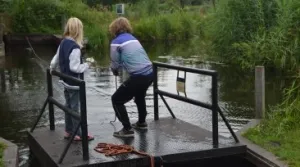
(82, 117)
(214, 107)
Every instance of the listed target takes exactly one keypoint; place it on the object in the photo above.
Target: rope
(113, 149)
(88, 59)
(43, 61)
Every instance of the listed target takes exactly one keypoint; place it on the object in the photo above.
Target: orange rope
(114, 149)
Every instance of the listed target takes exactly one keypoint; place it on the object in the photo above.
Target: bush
(151, 20)
(42, 16)
(146, 29)
(4, 5)
(2, 147)
(237, 22)
(278, 46)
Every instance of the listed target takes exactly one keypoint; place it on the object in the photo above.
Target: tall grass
(285, 116)
(277, 47)
(2, 147)
(151, 19)
(251, 32)
(280, 131)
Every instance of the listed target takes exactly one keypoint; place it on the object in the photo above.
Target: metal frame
(82, 117)
(214, 107)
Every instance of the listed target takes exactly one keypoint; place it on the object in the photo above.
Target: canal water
(23, 90)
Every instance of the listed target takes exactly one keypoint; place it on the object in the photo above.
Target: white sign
(120, 8)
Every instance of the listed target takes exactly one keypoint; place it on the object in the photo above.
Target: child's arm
(75, 65)
(54, 60)
(115, 58)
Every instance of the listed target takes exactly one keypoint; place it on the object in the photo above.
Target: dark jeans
(135, 86)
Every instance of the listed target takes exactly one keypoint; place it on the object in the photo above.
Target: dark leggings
(135, 86)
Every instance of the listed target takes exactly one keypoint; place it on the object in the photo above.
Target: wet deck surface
(171, 139)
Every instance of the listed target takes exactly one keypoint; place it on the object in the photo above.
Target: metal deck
(170, 140)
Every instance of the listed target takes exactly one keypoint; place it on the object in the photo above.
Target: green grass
(279, 132)
(2, 147)
(285, 146)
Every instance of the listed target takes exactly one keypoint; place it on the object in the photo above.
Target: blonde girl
(69, 59)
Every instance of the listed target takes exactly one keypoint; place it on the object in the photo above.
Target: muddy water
(23, 90)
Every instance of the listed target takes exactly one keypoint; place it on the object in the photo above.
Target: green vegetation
(151, 19)
(2, 147)
(243, 33)
(279, 132)
(285, 146)
(248, 33)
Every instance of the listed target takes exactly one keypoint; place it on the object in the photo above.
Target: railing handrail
(187, 69)
(77, 81)
(213, 106)
(64, 108)
(82, 117)
(184, 99)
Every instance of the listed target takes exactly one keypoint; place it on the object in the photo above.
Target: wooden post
(260, 92)
(2, 46)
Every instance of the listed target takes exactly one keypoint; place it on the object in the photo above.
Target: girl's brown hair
(120, 25)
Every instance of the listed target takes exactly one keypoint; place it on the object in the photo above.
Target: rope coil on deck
(114, 149)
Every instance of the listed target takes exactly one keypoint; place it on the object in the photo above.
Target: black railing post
(155, 98)
(167, 105)
(62, 156)
(50, 94)
(215, 110)
(3, 85)
(84, 129)
(40, 115)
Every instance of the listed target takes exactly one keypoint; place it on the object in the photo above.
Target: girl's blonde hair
(120, 25)
(74, 29)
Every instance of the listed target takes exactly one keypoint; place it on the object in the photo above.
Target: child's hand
(51, 70)
(90, 60)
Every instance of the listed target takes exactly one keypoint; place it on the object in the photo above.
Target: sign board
(180, 83)
(120, 9)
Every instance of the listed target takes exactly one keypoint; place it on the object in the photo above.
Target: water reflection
(23, 89)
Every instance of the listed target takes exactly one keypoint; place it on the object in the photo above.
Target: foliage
(151, 20)
(252, 32)
(236, 22)
(279, 132)
(279, 46)
(41, 16)
(4, 5)
(2, 147)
